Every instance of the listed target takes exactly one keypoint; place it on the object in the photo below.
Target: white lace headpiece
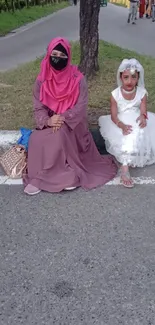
(132, 65)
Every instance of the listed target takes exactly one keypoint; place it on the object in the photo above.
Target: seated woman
(62, 154)
(129, 131)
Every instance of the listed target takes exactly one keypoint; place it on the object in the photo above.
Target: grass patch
(10, 21)
(16, 86)
(121, 3)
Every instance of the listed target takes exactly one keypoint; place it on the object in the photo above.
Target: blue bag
(24, 139)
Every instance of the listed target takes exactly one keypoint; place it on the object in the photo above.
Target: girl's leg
(125, 176)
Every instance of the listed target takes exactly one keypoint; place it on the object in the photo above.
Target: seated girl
(129, 131)
(62, 154)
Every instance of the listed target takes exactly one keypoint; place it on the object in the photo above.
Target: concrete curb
(8, 138)
(4, 180)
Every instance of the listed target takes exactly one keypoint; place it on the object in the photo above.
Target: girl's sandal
(125, 179)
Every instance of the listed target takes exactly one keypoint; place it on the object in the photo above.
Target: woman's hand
(126, 129)
(56, 121)
(142, 121)
(55, 128)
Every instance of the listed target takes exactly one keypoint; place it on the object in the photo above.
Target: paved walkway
(113, 28)
(30, 41)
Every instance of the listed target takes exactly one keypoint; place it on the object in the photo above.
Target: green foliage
(15, 13)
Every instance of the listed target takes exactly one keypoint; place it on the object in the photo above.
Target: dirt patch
(4, 85)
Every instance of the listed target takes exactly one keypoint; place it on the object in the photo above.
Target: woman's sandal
(126, 175)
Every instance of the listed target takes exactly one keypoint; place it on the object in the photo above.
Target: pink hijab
(59, 89)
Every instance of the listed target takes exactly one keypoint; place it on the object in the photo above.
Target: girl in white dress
(129, 131)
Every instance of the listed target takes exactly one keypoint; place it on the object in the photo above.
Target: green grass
(119, 4)
(11, 21)
(16, 86)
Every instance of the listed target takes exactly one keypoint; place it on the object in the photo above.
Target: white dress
(138, 148)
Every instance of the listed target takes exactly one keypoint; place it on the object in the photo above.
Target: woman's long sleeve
(40, 111)
(76, 114)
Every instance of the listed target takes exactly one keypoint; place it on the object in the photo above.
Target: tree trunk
(12, 6)
(27, 3)
(18, 4)
(89, 36)
(7, 5)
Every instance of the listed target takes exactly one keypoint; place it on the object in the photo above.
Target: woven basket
(14, 161)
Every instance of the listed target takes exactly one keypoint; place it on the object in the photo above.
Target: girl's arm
(143, 112)
(143, 106)
(114, 110)
(114, 113)
(126, 129)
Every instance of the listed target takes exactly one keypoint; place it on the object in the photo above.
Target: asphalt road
(31, 41)
(78, 258)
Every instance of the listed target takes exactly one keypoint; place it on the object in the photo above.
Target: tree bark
(12, 6)
(7, 5)
(89, 36)
(18, 5)
(27, 3)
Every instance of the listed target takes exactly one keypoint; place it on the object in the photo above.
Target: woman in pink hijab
(62, 154)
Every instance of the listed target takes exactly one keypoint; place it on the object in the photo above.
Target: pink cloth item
(59, 89)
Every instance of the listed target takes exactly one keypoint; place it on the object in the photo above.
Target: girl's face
(129, 81)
